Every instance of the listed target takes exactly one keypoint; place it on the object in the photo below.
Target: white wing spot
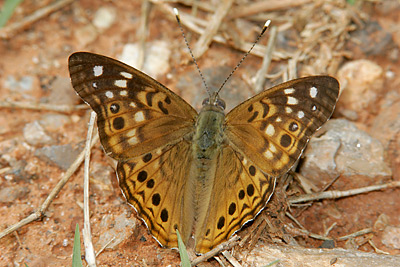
(121, 83)
(268, 154)
(288, 110)
(94, 85)
(272, 148)
(139, 116)
(244, 161)
(109, 94)
(313, 108)
(123, 93)
(270, 130)
(292, 101)
(278, 119)
(300, 114)
(313, 92)
(131, 133)
(132, 104)
(289, 91)
(126, 75)
(133, 140)
(97, 70)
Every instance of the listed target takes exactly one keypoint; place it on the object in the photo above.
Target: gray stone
(387, 124)
(62, 156)
(361, 81)
(53, 122)
(101, 176)
(25, 83)
(11, 193)
(341, 148)
(62, 92)
(35, 135)
(122, 228)
(391, 237)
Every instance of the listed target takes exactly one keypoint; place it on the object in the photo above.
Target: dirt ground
(33, 69)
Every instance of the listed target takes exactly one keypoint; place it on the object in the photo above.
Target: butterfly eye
(206, 102)
(220, 103)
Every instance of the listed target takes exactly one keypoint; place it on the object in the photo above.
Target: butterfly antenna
(190, 51)
(245, 55)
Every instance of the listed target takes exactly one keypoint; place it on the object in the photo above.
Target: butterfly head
(214, 100)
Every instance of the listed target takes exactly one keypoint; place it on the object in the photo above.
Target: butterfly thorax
(209, 132)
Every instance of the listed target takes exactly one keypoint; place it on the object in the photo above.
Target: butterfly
(205, 174)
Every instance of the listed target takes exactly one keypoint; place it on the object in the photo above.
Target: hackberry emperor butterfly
(205, 173)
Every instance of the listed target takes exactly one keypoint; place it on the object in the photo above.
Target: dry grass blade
(193, 24)
(143, 32)
(264, 6)
(231, 259)
(358, 233)
(42, 106)
(339, 194)
(87, 235)
(212, 28)
(260, 76)
(215, 251)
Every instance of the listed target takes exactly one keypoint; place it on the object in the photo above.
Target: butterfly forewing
(272, 128)
(136, 114)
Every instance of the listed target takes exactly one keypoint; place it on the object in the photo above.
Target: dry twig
(339, 194)
(231, 259)
(90, 256)
(218, 249)
(143, 32)
(193, 24)
(264, 6)
(260, 76)
(42, 106)
(212, 28)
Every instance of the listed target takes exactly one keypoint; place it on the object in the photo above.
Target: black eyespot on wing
(232, 208)
(147, 157)
(142, 176)
(221, 222)
(164, 215)
(155, 199)
(250, 190)
(118, 123)
(252, 170)
(286, 140)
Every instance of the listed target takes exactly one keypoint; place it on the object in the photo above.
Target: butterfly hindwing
(240, 192)
(136, 114)
(272, 128)
(155, 185)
